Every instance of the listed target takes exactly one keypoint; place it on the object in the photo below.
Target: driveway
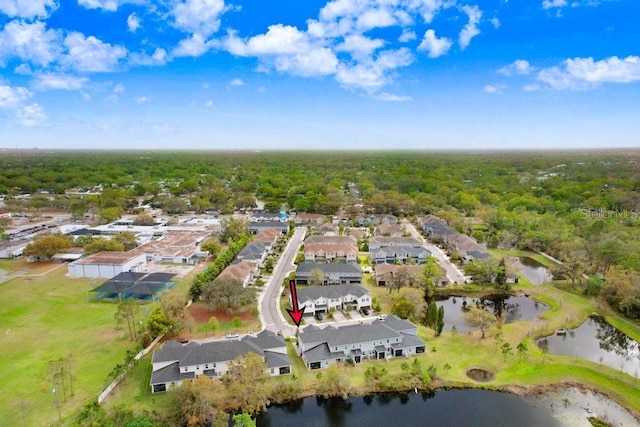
(269, 300)
(453, 272)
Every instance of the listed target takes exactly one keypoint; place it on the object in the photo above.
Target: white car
(382, 317)
(233, 335)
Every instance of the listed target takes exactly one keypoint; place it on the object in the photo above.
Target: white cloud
(31, 115)
(198, 16)
(85, 96)
(158, 57)
(359, 46)
(13, 97)
(89, 54)
(316, 62)
(30, 42)
(133, 22)
(142, 99)
(433, 45)
(23, 69)
(471, 29)
(375, 18)
(236, 82)
(279, 39)
(390, 97)
(374, 73)
(28, 9)
(550, 4)
(407, 36)
(108, 5)
(531, 87)
(119, 88)
(519, 66)
(192, 46)
(585, 73)
(48, 81)
(494, 88)
(209, 104)
(495, 22)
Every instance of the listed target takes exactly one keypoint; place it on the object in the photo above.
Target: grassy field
(44, 318)
(499, 253)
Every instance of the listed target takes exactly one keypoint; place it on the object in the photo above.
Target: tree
(212, 247)
(483, 271)
(403, 308)
(126, 313)
(127, 238)
(506, 350)
(144, 219)
(401, 278)
(158, 323)
(103, 245)
(316, 277)
(227, 293)
(5, 221)
(174, 205)
(243, 420)
(430, 272)
(593, 285)
(110, 214)
(334, 383)
(268, 265)
(44, 247)
(173, 305)
(78, 208)
(233, 229)
(523, 351)
(246, 383)
(432, 315)
(440, 321)
(198, 402)
(501, 276)
(480, 318)
(213, 324)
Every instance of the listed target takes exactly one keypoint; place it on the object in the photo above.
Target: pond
(443, 408)
(533, 270)
(598, 341)
(513, 308)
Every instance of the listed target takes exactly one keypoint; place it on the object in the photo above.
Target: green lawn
(45, 318)
(499, 253)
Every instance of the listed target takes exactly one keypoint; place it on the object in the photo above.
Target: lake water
(533, 270)
(598, 341)
(455, 408)
(513, 308)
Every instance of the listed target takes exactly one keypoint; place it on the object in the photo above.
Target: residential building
(390, 230)
(244, 271)
(255, 252)
(257, 226)
(321, 299)
(175, 362)
(330, 253)
(381, 339)
(306, 219)
(378, 242)
(401, 254)
(334, 274)
(331, 240)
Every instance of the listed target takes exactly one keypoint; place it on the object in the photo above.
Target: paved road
(453, 272)
(269, 303)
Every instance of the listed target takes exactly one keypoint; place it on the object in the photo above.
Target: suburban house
(255, 251)
(325, 229)
(375, 219)
(391, 230)
(306, 219)
(321, 299)
(268, 216)
(331, 240)
(330, 253)
(401, 254)
(257, 226)
(244, 271)
(386, 272)
(381, 339)
(464, 245)
(378, 242)
(175, 362)
(435, 228)
(175, 247)
(107, 264)
(270, 235)
(334, 274)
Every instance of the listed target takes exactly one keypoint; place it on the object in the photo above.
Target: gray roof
(320, 353)
(478, 254)
(217, 351)
(170, 373)
(397, 324)
(408, 341)
(392, 250)
(276, 360)
(349, 334)
(331, 291)
(439, 228)
(254, 250)
(348, 268)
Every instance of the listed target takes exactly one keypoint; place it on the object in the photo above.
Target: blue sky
(353, 74)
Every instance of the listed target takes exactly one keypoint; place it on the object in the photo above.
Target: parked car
(382, 317)
(365, 311)
(183, 340)
(318, 316)
(233, 335)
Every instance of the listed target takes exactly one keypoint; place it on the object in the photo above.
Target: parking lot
(338, 317)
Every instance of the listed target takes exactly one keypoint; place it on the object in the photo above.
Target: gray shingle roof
(348, 268)
(349, 334)
(331, 291)
(170, 373)
(276, 360)
(320, 353)
(397, 324)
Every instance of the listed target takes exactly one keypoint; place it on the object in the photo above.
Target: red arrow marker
(296, 314)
